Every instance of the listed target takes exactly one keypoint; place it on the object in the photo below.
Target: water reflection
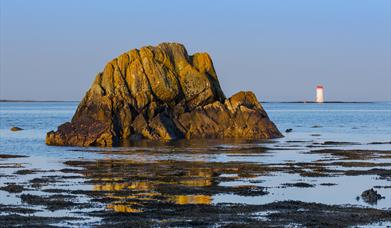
(120, 186)
(123, 208)
(131, 184)
(160, 179)
(191, 199)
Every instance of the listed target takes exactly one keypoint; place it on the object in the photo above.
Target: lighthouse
(319, 94)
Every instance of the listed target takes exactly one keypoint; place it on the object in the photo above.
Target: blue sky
(52, 50)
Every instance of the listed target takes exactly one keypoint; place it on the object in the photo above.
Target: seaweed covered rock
(161, 93)
(371, 196)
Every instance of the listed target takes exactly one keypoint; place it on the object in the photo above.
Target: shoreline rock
(161, 93)
(371, 196)
(16, 129)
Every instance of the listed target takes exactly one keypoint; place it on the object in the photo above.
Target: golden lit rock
(161, 93)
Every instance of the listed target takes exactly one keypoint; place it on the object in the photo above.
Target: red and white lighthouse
(319, 94)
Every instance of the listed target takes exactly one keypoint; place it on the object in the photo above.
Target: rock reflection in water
(120, 186)
(192, 199)
(129, 193)
(123, 208)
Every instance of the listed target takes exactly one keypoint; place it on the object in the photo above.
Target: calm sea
(348, 122)
(360, 123)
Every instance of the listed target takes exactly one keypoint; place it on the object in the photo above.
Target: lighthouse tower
(319, 94)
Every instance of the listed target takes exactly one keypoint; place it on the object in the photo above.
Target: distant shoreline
(326, 102)
(286, 102)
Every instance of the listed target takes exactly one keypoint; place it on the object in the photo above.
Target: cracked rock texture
(161, 93)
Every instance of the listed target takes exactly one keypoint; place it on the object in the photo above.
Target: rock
(13, 188)
(316, 126)
(12, 156)
(161, 93)
(298, 185)
(371, 196)
(16, 129)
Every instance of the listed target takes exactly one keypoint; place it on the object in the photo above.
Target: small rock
(12, 156)
(328, 184)
(24, 172)
(376, 143)
(16, 129)
(13, 188)
(288, 130)
(371, 196)
(299, 185)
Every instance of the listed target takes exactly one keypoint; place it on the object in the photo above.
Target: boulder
(371, 196)
(16, 129)
(161, 93)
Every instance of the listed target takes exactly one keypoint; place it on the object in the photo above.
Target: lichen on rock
(161, 93)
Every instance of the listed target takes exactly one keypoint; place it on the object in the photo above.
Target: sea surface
(364, 126)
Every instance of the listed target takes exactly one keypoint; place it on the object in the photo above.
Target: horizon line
(297, 101)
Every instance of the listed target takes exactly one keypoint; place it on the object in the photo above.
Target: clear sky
(52, 50)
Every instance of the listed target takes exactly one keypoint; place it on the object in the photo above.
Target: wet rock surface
(51, 202)
(161, 93)
(12, 188)
(20, 220)
(355, 154)
(299, 185)
(24, 171)
(16, 129)
(11, 156)
(371, 196)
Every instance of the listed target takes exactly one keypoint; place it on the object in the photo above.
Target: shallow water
(356, 124)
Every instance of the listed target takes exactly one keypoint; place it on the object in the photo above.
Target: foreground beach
(314, 176)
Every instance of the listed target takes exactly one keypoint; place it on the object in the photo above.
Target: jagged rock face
(161, 93)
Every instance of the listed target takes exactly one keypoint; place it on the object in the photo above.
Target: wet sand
(206, 184)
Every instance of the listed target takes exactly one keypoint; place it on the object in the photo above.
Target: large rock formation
(161, 93)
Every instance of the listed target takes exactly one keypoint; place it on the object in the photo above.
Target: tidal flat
(313, 177)
(168, 188)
